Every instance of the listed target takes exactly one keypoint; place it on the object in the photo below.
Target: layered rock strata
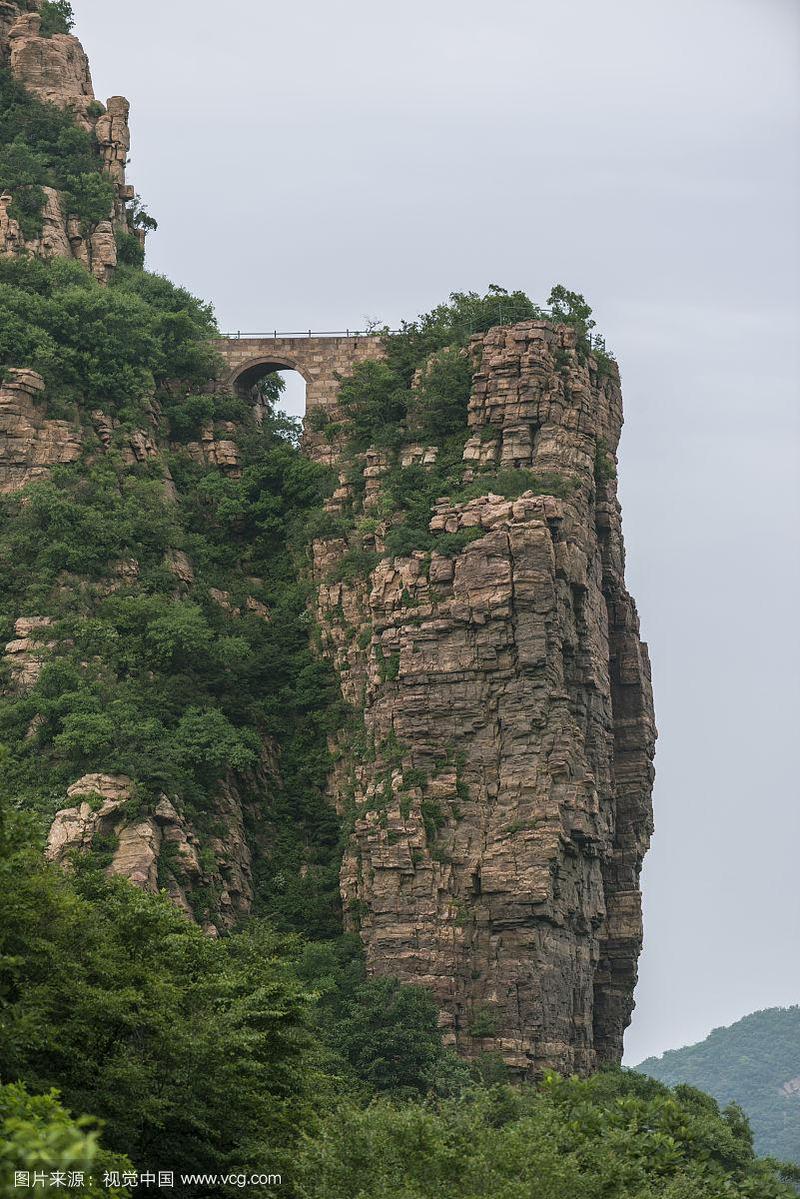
(501, 794)
(56, 70)
(30, 443)
(498, 791)
(158, 848)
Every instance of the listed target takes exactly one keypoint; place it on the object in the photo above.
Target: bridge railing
(505, 316)
(275, 334)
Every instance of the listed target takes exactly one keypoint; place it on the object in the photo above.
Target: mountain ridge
(754, 1062)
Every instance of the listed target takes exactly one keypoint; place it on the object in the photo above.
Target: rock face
(216, 447)
(30, 444)
(498, 794)
(57, 71)
(502, 805)
(55, 68)
(158, 849)
(24, 656)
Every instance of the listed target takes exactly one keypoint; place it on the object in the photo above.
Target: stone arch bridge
(322, 359)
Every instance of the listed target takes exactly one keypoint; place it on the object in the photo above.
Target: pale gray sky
(315, 163)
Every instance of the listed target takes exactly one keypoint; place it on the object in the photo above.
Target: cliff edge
(501, 800)
(392, 682)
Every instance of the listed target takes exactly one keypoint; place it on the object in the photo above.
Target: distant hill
(755, 1063)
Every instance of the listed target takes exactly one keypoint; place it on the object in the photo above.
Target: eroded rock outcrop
(155, 847)
(56, 70)
(30, 443)
(501, 795)
(217, 447)
(24, 656)
(498, 791)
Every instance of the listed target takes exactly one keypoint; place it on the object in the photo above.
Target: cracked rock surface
(501, 805)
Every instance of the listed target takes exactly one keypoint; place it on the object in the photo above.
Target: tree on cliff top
(57, 17)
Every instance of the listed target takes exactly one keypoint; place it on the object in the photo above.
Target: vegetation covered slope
(755, 1063)
(268, 1046)
(266, 1049)
(256, 1053)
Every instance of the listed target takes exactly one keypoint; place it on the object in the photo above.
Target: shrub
(484, 1022)
(130, 251)
(42, 146)
(432, 817)
(23, 173)
(37, 1135)
(355, 563)
(512, 482)
(57, 17)
(388, 667)
(389, 1036)
(109, 346)
(438, 407)
(374, 403)
(453, 323)
(604, 467)
(609, 1135)
(89, 196)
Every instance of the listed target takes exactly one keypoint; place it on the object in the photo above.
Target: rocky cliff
(156, 848)
(491, 778)
(503, 809)
(55, 69)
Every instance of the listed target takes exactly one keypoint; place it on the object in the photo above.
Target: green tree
(57, 17)
(610, 1135)
(38, 1136)
(375, 403)
(439, 405)
(389, 1036)
(570, 307)
(191, 1052)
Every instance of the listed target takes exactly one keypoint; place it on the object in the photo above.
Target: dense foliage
(182, 655)
(42, 146)
(749, 1063)
(212, 1055)
(57, 17)
(190, 1051)
(453, 323)
(112, 347)
(613, 1135)
(38, 1136)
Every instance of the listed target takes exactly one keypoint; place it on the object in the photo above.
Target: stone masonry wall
(322, 361)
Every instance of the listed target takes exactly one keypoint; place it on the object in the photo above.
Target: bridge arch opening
(277, 382)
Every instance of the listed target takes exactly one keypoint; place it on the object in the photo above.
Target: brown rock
(504, 875)
(53, 68)
(180, 564)
(162, 845)
(56, 70)
(136, 855)
(30, 444)
(25, 655)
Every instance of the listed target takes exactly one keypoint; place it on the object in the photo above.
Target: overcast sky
(316, 163)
